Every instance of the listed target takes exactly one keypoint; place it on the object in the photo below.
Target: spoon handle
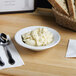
(10, 59)
(1, 62)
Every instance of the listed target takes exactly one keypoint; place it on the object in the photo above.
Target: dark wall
(42, 4)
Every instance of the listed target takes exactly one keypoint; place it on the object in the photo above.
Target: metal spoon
(5, 42)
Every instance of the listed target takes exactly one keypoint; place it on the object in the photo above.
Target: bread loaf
(71, 7)
(60, 5)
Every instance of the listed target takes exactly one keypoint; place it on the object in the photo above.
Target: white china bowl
(18, 38)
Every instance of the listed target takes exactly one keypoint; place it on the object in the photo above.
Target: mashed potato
(38, 37)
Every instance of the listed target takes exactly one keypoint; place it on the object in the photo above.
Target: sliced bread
(71, 7)
(60, 5)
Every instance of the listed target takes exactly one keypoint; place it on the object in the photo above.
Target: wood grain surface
(50, 62)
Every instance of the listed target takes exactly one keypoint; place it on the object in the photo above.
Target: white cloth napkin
(14, 53)
(71, 51)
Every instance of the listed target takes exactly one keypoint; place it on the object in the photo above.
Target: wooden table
(51, 62)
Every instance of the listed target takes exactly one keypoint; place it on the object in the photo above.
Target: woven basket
(64, 20)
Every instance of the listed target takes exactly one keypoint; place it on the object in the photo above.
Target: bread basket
(64, 20)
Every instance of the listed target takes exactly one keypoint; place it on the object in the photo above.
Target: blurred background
(42, 4)
(22, 5)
